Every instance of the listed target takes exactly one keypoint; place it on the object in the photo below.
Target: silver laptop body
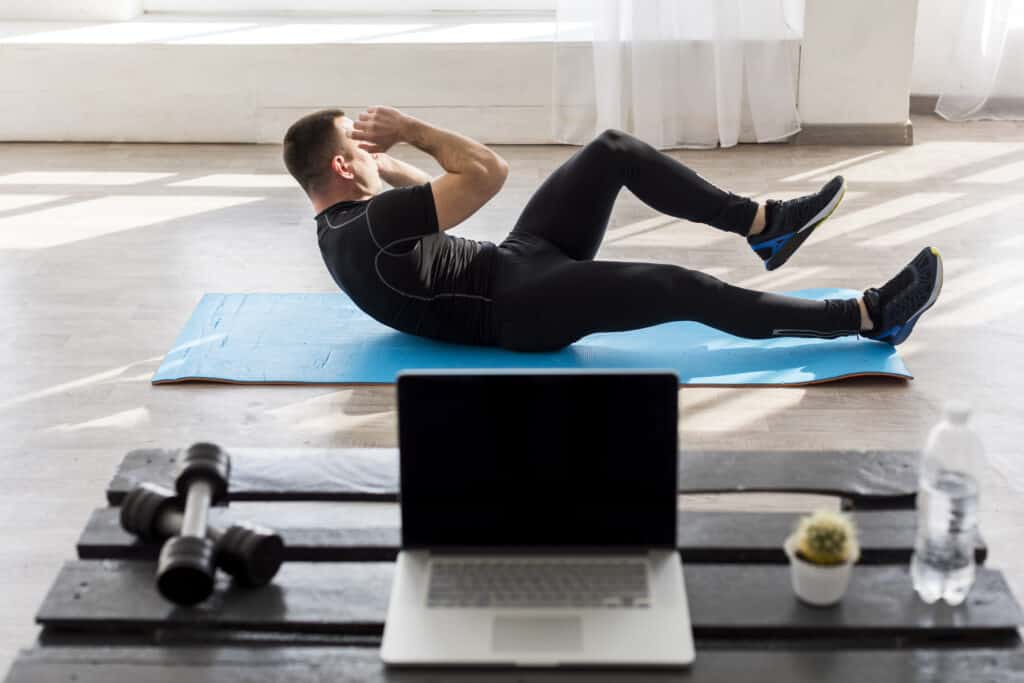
(538, 521)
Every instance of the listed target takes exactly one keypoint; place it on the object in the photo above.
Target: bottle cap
(957, 412)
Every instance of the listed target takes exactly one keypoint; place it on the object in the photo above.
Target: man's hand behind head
(379, 128)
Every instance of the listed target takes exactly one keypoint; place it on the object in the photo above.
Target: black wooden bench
(322, 617)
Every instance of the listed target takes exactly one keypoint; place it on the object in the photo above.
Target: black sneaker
(789, 223)
(896, 306)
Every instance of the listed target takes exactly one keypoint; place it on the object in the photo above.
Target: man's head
(329, 165)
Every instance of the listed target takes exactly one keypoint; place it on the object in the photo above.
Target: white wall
(934, 42)
(856, 61)
(70, 10)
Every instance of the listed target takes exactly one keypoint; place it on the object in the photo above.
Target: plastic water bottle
(947, 509)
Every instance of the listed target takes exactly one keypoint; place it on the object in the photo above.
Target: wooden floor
(105, 249)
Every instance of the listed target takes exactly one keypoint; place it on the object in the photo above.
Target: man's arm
(397, 173)
(473, 175)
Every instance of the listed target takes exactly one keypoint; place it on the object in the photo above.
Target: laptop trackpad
(538, 634)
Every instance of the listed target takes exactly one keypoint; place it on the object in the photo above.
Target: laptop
(538, 521)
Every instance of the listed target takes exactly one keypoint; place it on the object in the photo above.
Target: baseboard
(855, 134)
(923, 104)
(998, 106)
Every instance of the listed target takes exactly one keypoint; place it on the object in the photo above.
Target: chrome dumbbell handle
(197, 509)
(170, 524)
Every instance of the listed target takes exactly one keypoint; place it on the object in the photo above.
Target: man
(541, 288)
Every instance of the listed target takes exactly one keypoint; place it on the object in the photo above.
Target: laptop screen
(533, 460)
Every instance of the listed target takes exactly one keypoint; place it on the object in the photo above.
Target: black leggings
(549, 292)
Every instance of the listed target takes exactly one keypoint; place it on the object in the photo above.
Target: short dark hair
(309, 145)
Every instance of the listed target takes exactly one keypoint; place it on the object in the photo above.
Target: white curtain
(985, 77)
(677, 73)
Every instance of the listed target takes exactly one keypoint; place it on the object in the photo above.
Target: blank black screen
(538, 460)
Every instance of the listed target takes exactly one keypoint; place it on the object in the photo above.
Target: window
(345, 6)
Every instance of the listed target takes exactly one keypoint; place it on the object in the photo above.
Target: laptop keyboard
(541, 582)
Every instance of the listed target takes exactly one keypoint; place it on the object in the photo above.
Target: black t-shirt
(388, 254)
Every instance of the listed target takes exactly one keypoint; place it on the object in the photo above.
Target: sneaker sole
(804, 232)
(908, 327)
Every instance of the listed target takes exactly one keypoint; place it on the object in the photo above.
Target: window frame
(342, 7)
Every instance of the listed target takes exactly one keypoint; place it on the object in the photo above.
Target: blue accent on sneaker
(896, 306)
(774, 244)
(891, 332)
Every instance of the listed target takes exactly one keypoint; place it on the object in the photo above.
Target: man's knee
(613, 141)
(613, 138)
(612, 135)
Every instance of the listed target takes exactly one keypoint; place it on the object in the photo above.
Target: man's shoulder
(334, 219)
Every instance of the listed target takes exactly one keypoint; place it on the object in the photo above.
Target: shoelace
(797, 212)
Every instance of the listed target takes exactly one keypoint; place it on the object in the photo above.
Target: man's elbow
(497, 173)
(487, 175)
(501, 166)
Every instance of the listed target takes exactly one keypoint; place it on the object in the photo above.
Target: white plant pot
(814, 583)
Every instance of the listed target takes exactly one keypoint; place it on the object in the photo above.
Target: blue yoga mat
(325, 339)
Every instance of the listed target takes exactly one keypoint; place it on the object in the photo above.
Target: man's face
(361, 162)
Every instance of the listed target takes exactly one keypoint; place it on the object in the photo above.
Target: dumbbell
(250, 554)
(186, 568)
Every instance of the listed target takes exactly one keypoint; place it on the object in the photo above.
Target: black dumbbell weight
(249, 553)
(186, 568)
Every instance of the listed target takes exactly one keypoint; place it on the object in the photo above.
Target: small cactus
(827, 538)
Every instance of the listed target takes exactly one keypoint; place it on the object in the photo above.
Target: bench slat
(868, 479)
(725, 601)
(322, 665)
(369, 531)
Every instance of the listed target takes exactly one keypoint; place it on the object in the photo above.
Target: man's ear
(342, 167)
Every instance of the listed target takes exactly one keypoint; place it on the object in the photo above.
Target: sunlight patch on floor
(80, 178)
(742, 410)
(1003, 304)
(621, 232)
(337, 423)
(783, 195)
(1015, 241)
(328, 401)
(680, 235)
(776, 280)
(926, 228)
(717, 271)
(924, 160)
(128, 379)
(831, 168)
(104, 216)
(326, 414)
(126, 419)
(65, 387)
(968, 283)
(9, 202)
(952, 265)
(239, 180)
(910, 348)
(871, 216)
(1006, 173)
